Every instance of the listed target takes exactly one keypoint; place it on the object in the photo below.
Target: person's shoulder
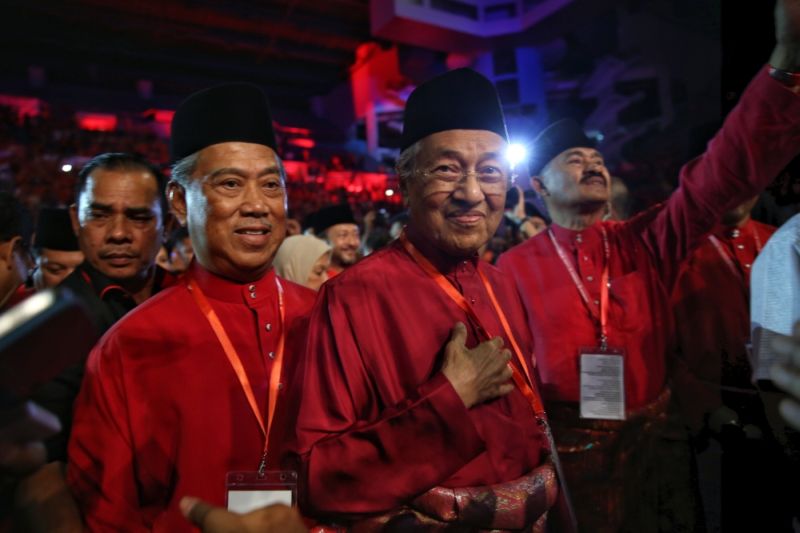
(158, 312)
(373, 269)
(762, 228)
(522, 251)
(299, 294)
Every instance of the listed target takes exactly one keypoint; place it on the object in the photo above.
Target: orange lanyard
(236, 362)
(526, 387)
(602, 316)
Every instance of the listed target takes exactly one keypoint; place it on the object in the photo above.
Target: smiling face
(575, 177)
(345, 240)
(453, 213)
(235, 209)
(118, 222)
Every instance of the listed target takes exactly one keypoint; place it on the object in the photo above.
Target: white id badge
(247, 491)
(602, 384)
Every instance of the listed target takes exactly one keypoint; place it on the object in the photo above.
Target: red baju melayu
(759, 137)
(379, 423)
(712, 318)
(161, 414)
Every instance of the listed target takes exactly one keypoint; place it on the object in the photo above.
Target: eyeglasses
(492, 179)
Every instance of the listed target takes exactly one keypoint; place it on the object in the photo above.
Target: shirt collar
(726, 232)
(572, 237)
(251, 293)
(450, 265)
(102, 285)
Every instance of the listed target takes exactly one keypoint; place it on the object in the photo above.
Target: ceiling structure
(295, 49)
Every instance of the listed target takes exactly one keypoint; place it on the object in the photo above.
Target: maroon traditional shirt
(712, 317)
(759, 138)
(379, 423)
(161, 414)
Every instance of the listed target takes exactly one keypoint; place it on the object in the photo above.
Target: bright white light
(389, 192)
(66, 168)
(516, 153)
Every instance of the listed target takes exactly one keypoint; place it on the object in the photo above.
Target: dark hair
(123, 161)
(177, 235)
(14, 220)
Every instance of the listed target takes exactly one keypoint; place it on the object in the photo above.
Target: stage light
(66, 167)
(516, 153)
(389, 192)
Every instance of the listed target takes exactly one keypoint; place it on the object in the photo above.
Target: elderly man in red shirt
(398, 428)
(597, 293)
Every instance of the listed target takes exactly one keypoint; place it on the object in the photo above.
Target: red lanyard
(601, 315)
(526, 387)
(727, 256)
(236, 362)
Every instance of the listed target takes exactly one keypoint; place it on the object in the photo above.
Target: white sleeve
(774, 293)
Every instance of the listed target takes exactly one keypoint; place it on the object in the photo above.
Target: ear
(176, 195)
(73, 217)
(538, 185)
(7, 250)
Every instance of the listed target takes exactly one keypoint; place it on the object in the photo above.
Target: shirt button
(590, 278)
(472, 300)
(252, 289)
(271, 355)
(280, 386)
(597, 302)
(585, 257)
(747, 265)
(579, 238)
(740, 246)
(268, 327)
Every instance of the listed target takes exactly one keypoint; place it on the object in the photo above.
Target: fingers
(789, 348)
(459, 334)
(786, 378)
(208, 518)
(790, 411)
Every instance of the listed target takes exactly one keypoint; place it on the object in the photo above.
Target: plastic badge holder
(247, 491)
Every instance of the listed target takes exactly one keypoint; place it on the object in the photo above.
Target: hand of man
(786, 55)
(273, 518)
(479, 374)
(785, 373)
(23, 427)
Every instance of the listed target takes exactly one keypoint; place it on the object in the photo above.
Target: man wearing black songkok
(163, 412)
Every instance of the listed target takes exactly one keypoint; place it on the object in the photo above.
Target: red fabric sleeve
(759, 138)
(357, 455)
(101, 460)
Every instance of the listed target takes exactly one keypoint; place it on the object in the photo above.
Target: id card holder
(247, 491)
(602, 383)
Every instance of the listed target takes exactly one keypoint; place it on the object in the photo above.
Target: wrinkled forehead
(581, 151)
(464, 143)
(245, 157)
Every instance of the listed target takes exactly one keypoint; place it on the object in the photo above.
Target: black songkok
(54, 231)
(460, 99)
(330, 216)
(553, 140)
(235, 112)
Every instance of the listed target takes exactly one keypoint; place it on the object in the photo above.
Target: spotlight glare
(66, 167)
(389, 192)
(516, 154)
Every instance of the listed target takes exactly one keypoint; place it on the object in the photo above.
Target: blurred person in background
(15, 232)
(55, 248)
(303, 259)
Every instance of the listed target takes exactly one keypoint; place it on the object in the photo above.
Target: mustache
(589, 174)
